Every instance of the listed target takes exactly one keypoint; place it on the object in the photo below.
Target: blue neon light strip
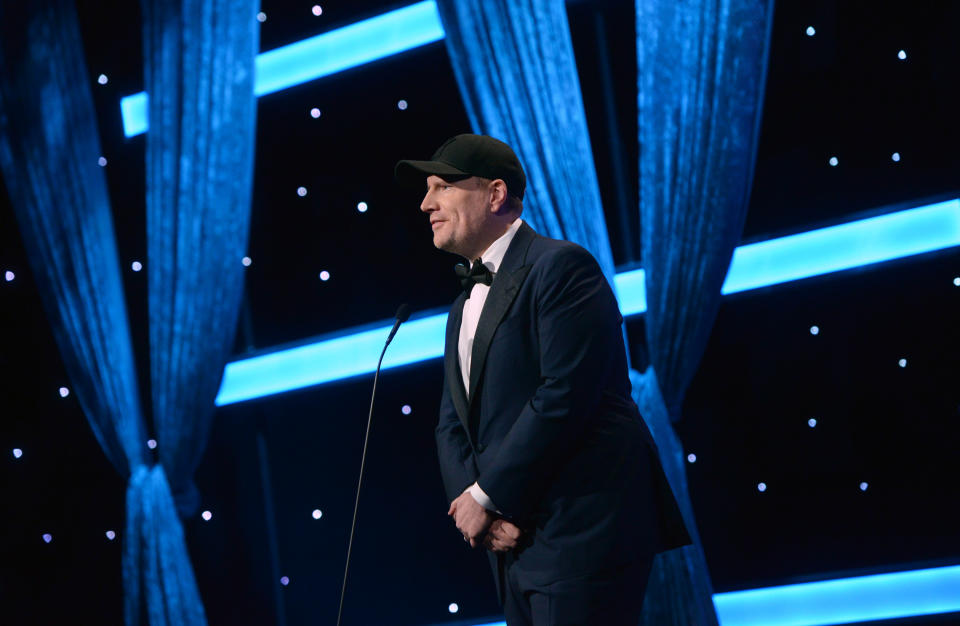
(843, 247)
(375, 38)
(341, 49)
(133, 110)
(873, 240)
(859, 599)
(631, 292)
(333, 359)
(841, 601)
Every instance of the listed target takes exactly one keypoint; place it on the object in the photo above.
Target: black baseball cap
(464, 156)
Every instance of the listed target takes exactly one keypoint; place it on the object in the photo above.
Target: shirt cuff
(482, 498)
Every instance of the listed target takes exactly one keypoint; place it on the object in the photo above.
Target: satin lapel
(451, 362)
(504, 289)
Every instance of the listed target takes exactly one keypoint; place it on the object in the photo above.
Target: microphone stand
(403, 313)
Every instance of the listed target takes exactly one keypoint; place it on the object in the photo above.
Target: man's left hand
(470, 517)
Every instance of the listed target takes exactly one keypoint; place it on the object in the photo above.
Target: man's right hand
(502, 536)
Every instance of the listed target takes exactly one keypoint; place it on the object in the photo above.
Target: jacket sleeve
(578, 328)
(458, 466)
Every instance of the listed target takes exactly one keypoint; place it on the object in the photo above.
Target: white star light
(152, 444)
(102, 79)
(17, 453)
(956, 280)
(317, 10)
(814, 330)
(362, 207)
(324, 275)
(301, 191)
(246, 261)
(284, 580)
(317, 514)
(863, 486)
(895, 157)
(9, 276)
(902, 363)
(102, 161)
(111, 535)
(136, 266)
(834, 161)
(454, 607)
(762, 487)
(315, 113)
(692, 458)
(811, 31)
(812, 422)
(207, 516)
(261, 17)
(64, 392)
(402, 105)
(47, 537)
(406, 409)
(902, 55)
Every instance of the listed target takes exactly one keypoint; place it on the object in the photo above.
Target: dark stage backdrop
(273, 462)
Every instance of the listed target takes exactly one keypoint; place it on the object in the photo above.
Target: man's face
(459, 215)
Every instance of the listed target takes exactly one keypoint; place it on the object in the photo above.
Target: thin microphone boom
(403, 314)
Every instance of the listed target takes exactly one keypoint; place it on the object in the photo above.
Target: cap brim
(413, 173)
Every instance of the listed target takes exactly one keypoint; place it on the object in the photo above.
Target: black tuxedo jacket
(549, 430)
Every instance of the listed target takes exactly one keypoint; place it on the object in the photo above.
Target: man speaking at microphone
(544, 457)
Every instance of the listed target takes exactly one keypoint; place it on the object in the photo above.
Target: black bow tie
(478, 273)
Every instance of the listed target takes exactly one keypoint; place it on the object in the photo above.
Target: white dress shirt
(492, 257)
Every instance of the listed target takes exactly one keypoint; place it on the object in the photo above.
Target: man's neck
(500, 232)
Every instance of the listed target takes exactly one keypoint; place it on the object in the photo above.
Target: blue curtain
(514, 63)
(701, 68)
(199, 72)
(49, 148)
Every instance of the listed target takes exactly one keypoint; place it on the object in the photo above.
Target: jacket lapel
(451, 363)
(506, 285)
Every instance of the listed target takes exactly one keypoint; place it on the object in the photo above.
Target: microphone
(403, 314)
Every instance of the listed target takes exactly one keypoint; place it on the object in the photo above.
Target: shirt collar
(493, 256)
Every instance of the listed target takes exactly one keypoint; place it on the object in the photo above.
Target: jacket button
(481, 448)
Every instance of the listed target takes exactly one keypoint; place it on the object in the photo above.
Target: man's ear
(498, 195)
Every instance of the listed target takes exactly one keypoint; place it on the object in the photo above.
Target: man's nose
(428, 204)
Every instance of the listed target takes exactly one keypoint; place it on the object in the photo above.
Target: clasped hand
(478, 525)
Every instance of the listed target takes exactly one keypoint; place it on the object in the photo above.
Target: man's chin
(443, 244)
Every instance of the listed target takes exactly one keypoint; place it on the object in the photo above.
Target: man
(544, 457)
